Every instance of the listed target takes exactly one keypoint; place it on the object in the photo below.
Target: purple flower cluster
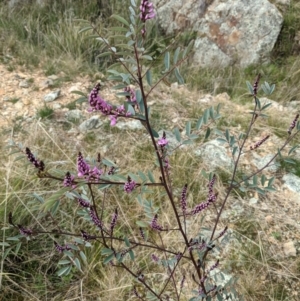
(146, 11)
(255, 85)
(259, 143)
(25, 231)
(154, 258)
(119, 111)
(142, 233)
(132, 96)
(293, 124)
(83, 203)
(84, 169)
(37, 164)
(154, 225)
(60, 248)
(114, 220)
(163, 141)
(69, 180)
(129, 185)
(210, 199)
(97, 103)
(111, 171)
(95, 219)
(87, 236)
(183, 198)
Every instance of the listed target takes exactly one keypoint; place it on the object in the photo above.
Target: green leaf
(4, 244)
(199, 123)
(131, 254)
(179, 77)
(149, 77)
(104, 54)
(207, 134)
(85, 29)
(108, 162)
(259, 190)
(291, 161)
(154, 133)
(176, 54)
(188, 49)
(250, 88)
(177, 134)
(142, 224)
(77, 264)
(188, 128)
(205, 116)
(63, 271)
(83, 257)
(79, 93)
(266, 106)
(150, 176)
(108, 259)
(64, 261)
(142, 176)
(55, 207)
(126, 240)
(14, 238)
(106, 251)
(147, 57)
(167, 61)
(133, 3)
(293, 149)
(6, 253)
(120, 19)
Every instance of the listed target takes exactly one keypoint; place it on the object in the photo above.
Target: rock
(73, 115)
(90, 124)
(215, 155)
(225, 29)
(47, 83)
(269, 219)
(52, 96)
(206, 99)
(289, 249)
(174, 86)
(23, 84)
(260, 162)
(292, 182)
(75, 87)
(253, 201)
(223, 97)
(56, 106)
(53, 77)
(131, 125)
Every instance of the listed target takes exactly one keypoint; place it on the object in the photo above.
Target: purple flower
(183, 198)
(142, 233)
(132, 96)
(83, 203)
(146, 11)
(114, 220)
(37, 164)
(129, 185)
(84, 169)
(69, 180)
(154, 225)
(162, 142)
(95, 219)
(87, 236)
(25, 231)
(259, 143)
(97, 103)
(154, 258)
(255, 85)
(111, 171)
(293, 124)
(60, 248)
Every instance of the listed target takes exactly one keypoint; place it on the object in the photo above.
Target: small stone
(56, 106)
(53, 77)
(24, 84)
(174, 86)
(92, 123)
(52, 96)
(26, 102)
(73, 115)
(253, 201)
(47, 83)
(289, 249)
(269, 219)
(206, 99)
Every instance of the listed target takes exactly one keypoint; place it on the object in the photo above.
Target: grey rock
(56, 106)
(253, 201)
(53, 77)
(130, 125)
(24, 84)
(90, 124)
(292, 182)
(289, 249)
(73, 115)
(52, 96)
(228, 32)
(260, 162)
(215, 155)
